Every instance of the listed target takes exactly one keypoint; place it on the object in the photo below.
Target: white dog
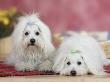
(80, 55)
(32, 45)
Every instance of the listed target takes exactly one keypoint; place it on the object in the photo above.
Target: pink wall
(61, 15)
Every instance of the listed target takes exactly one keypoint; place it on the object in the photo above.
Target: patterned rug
(6, 70)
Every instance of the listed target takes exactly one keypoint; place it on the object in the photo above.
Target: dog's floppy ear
(59, 63)
(94, 64)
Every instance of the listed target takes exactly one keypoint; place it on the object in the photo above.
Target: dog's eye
(37, 33)
(69, 63)
(26, 33)
(79, 63)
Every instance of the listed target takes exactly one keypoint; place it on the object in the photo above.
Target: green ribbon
(74, 51)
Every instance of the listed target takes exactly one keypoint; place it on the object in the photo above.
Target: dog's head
(72, 63)
(32, 33)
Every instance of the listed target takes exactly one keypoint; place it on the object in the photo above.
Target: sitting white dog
(32, 45)
(80, 55)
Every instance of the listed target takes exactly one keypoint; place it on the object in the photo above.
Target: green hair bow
(74, 51)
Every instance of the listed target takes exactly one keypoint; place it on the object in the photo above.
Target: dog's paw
(65, 73)
(45, 66)
(24, 67)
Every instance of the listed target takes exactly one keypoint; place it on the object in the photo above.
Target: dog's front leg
(46, 66)
(24, 66)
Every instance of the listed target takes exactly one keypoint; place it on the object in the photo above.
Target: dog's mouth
(31, 45)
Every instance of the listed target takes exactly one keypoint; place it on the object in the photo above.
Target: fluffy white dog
(80, 55)
(32, 45)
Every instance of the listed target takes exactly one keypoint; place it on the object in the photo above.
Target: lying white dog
(32, 45)
(80, 55)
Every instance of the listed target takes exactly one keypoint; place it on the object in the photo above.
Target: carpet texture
(6, 70)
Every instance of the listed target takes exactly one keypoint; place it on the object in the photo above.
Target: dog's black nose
(73, 73)
(32, 40)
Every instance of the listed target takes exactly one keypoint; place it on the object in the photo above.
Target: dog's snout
(73, 73)
(32, 40)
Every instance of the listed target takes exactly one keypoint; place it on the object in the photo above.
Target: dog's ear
(94, 65)
(59, 63)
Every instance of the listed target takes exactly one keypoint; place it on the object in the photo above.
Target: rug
(6, 70)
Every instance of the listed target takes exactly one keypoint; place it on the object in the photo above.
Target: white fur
(88, 52)
(25, 57)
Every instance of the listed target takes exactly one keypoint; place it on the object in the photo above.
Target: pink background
(62, 15)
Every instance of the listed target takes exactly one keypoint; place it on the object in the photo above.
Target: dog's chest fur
(34, 56)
